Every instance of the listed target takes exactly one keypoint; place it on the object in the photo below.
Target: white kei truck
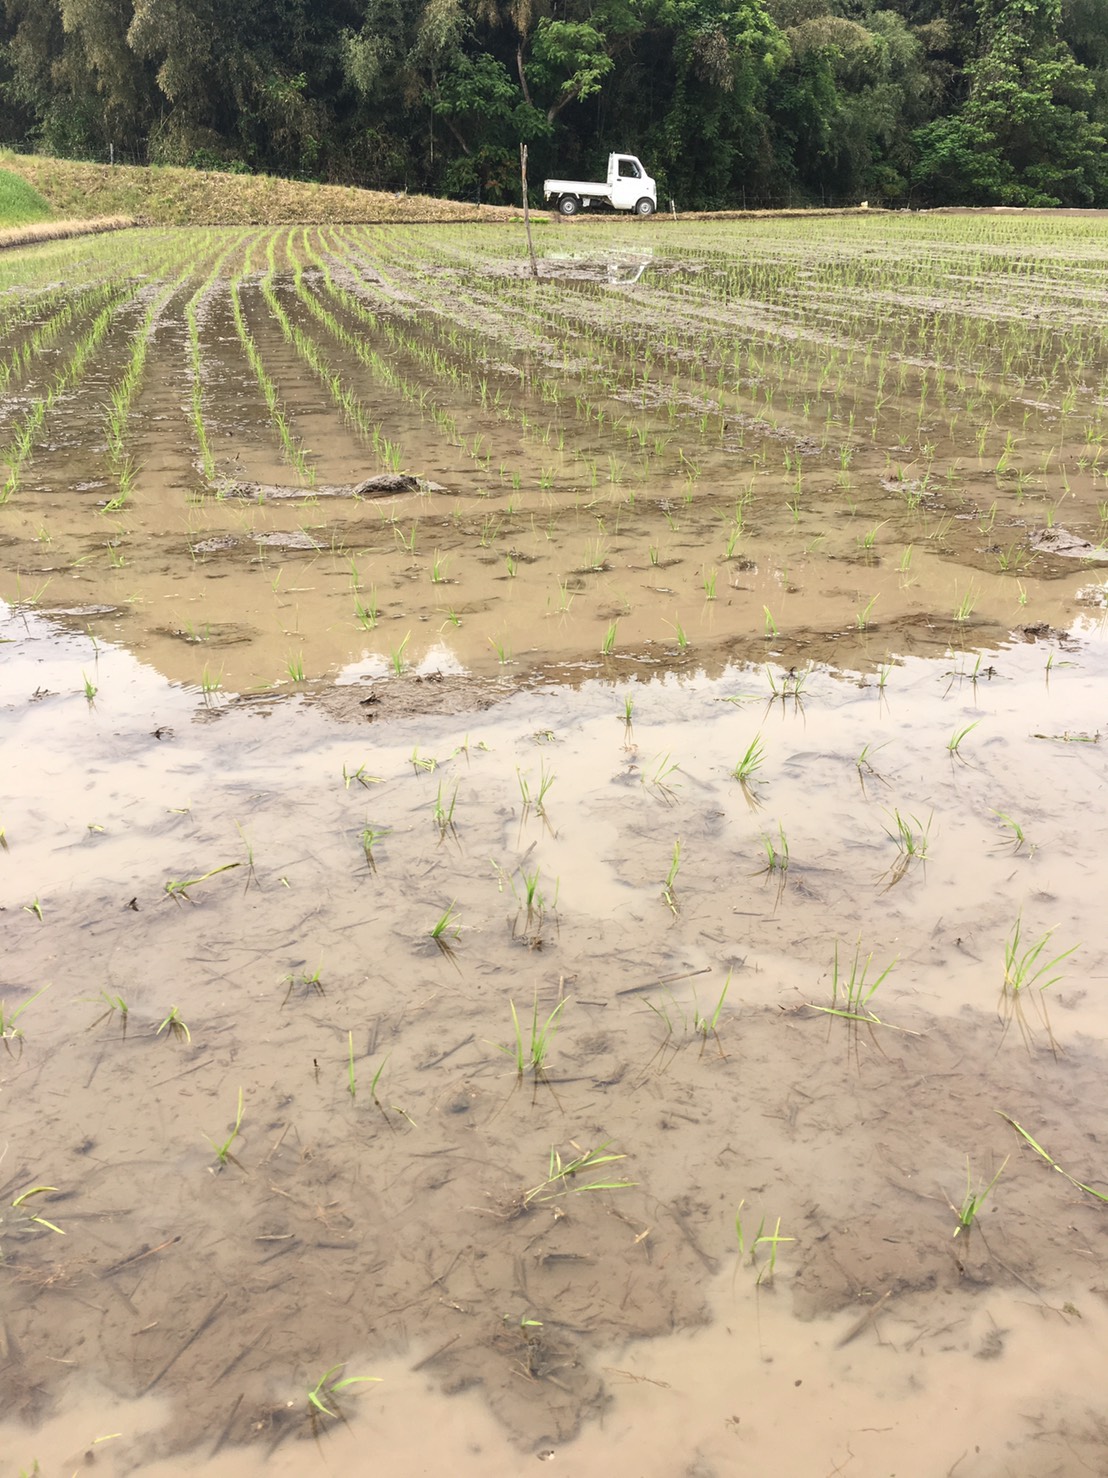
(628, 187)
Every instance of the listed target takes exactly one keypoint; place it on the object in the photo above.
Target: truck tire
(645, 206)
(569, 205)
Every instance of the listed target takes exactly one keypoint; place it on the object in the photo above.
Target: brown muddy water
(420, 1046)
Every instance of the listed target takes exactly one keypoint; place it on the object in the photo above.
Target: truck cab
(629, 183)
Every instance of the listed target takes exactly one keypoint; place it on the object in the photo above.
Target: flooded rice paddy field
(551, 850)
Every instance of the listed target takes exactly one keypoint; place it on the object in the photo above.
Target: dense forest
(728, 102)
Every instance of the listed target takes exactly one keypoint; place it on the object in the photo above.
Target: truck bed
(591, 188)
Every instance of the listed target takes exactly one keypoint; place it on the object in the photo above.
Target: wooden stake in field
(527, 209)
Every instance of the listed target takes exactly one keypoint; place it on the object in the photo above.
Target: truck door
(626, 181)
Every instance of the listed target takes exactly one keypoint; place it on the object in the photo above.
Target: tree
(1025, 135)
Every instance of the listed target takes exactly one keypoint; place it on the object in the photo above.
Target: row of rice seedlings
(122, 395)
(345, 399)
(45, 333)
(27, 429)
(196, 371)
(292, 448)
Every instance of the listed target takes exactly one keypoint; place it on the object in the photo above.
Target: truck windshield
(629, 170)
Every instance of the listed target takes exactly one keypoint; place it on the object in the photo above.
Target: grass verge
(20, 202)
(59, 230)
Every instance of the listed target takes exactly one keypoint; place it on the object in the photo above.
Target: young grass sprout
(560, 1178)
(974, 1198)
(761, 1240)
(223, 1151)
(328, 1386)
(530, 1050)
(446, 929)
(1028, 974)
(174, 1026)
(851, 992)
(671, 878)
(912, 837)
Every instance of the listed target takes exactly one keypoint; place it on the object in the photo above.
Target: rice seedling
(370, 837)
(178, 888)
(1025, 968)
(361, 775)
(223, 1149)
(861, 618)
(610, 638)
(1028, 974)
(1054, 1165)
(966, 606)
(175, 1026)
(444, 810)
(868, 541)
(438, 568)
(536, 800)
(770, 625)
(90, 686)
(912, 837)
(530, 1051)
(761, 1239)
(791, 685)
(365, 610)
(750, 762)
(396, 656)
(34, 907)
(446, 928)
(534, 897)
(777, 853)
(115, 1005)
(295, 667)
(19, 1203)
(671, 878)
(1015, 831)
(327, 1388)
(9, 1027)
(628, 711)
(851, 992)
(974, 1198)
(660, 779)
(709, 583)
(560, 1177)
(425, 763)
(708, 1026)
(954, 743)
(310, 983)
(681, 635)
(503, 650)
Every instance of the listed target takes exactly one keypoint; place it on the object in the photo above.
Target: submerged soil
(405, 977)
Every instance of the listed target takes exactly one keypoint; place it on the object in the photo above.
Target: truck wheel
(569, 205)
(645, 206)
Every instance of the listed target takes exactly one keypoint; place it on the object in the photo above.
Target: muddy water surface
(401, 983)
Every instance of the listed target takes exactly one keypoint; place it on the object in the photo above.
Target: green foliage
(728, 102)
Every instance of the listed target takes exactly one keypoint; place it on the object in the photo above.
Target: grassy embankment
(164, 196)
